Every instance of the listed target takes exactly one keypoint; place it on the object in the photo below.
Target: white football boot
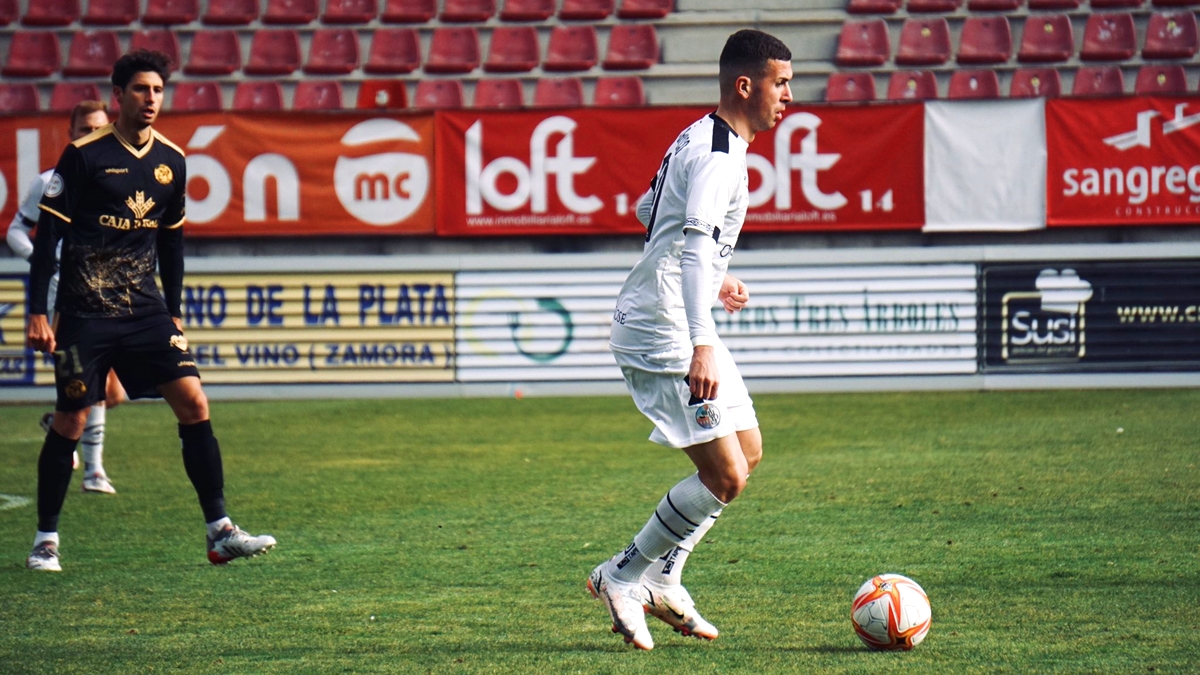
(234, 542)
(44, 558)
(625, 605)
(98, 482)
(676, 608)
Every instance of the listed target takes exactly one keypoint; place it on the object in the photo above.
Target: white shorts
(656, 382)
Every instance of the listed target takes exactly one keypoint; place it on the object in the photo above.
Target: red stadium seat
(873, 6)
(1161, 79)
(985, 39)
(631, 47)
(619, 92)
(453, 50)
(290, 12)
(993, 5)
(65, 95)
(92, 54)
(863, 43)
(273, 52)
(932, 6)
(467, 11)
(258, 96)
(1055, 4)
(645, 9)
(924, 42)
(571, 48)
(499, 94)
(526, 10)
(439, 94)
(1098, 81)
(1047, 38)
(333, 51)
(19, 98)
(158, 41)
(558, 92)
(1170, 35)
(111, 12)
(1108, 37)
(394, 51)
(8, 12)
(382, 94)
(350, 11)
(214, 52)
(850, 87)
(192, 96)
(32, 54)
(170, 12)
(1114, 4)
(585, 10)
(1035, 82)
(231, 12)
(318, 95)
(912, 85)
(1176, 3)
(973, 84)
(408, 11)
(514, 49)
(51, 13)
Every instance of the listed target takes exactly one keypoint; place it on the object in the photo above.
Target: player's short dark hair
(747, 52)
(140, 61)
(85, 108)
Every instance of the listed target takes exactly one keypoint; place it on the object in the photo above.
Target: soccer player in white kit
(86, 117)
(664, 339)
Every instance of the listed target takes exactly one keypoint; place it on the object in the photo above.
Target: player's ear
(743, 86)
(116, 92)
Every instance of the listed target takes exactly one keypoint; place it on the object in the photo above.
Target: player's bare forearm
(178, 323)
(702, 375)
(733, 294)
(39, 335)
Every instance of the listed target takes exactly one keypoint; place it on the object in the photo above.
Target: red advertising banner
(582, 171)
(1127, 161)
(269, 174)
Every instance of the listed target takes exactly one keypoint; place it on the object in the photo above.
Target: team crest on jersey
(55, 187)
(708, 416)
(179, 342)
(163, 174)
(76, 389)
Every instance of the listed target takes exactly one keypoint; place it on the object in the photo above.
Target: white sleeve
(18, 237)
(696, 268)
(33, 196)
(645, 206)
(711, 181)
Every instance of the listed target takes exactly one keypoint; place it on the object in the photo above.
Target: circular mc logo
(385, 188)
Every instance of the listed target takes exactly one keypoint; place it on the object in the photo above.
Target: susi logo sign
(1047, 324)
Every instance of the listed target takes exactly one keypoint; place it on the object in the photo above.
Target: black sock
(54, 477)
(202, 461)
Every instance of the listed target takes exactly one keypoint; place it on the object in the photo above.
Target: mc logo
(385, 188)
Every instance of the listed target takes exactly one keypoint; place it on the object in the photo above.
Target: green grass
(1048, 543)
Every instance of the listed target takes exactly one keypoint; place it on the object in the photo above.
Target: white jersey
(701, 186)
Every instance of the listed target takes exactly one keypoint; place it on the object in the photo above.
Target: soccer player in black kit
(116, 200)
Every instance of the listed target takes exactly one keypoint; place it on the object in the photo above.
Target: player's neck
(135, 137)
(737, 122)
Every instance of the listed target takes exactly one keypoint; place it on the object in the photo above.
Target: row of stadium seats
(1046, 38)
(334, 51)
(1162, 79)
(200, 96)
(299, 12)
(947, 6)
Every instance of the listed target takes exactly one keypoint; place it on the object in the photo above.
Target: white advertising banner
(985, 165)
(813, 321)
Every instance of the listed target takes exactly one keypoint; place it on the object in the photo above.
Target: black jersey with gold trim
(111, 204)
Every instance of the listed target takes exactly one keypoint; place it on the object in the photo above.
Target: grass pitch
(454, 536)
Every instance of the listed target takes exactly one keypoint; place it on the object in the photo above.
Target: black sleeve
(170, 267)
(57, 208)
(42, 263)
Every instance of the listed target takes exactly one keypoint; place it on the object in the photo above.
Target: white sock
(217, 525)
(668, 570)
(40, 537)
(686, 507)
(92, 442)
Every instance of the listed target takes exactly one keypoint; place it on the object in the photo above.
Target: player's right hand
(39, 336)
(702, 375)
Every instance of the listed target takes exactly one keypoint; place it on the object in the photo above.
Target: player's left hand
(178, 323)
(733, 294)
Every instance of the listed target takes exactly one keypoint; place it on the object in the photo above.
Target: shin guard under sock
(202, 461)
(54, 477)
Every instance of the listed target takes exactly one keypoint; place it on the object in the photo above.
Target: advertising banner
(269, 174)
(1092, 316)
(801, 322)
(1125, 161)
(16, 362)
(582, 171)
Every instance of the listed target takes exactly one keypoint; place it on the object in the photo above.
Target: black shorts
(145, 351)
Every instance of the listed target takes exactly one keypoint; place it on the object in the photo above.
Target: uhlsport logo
(1047, 324)
(385, 188)
(708, 416)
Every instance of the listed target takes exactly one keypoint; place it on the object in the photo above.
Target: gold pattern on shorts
(163, 174)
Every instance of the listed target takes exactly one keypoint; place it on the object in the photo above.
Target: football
(891, 611)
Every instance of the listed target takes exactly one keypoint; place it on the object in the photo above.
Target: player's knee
(729, 484)
(69, 424)
(193, 409)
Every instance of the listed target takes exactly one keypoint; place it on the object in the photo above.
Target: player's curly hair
(747, 52)
(140, 61)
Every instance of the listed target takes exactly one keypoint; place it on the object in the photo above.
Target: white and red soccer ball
(891, 611)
